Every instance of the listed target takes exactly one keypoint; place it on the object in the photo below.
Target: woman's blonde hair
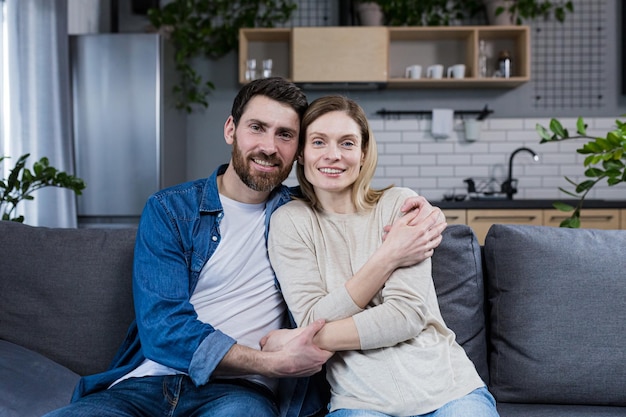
(363, 196)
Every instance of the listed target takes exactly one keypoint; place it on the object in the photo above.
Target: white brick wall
(409, 156)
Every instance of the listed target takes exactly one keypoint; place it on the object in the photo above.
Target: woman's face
(332, 155)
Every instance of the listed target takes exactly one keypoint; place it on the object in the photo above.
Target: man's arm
(285, 353)
(432, 220)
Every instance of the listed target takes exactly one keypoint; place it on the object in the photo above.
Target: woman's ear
(300, 160)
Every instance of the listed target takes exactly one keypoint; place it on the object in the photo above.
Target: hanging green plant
(210, 28)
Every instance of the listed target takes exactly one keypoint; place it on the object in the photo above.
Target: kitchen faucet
(508, 186)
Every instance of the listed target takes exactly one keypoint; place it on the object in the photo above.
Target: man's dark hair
(275, 88)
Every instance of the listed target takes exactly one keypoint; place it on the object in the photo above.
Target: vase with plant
(23, 182)
(516, 12)
(605, 160)
(209, 28)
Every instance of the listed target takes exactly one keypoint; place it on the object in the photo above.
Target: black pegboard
(315, 13)
(568, 59)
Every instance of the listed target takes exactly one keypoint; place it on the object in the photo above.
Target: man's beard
(256, 180)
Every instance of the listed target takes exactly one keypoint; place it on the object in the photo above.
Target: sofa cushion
(557, 301)
(556, 410)
(458, 278)
(30, 384)
(66, 293)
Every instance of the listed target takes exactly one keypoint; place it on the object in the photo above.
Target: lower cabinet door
(589, 218)
(481, 220)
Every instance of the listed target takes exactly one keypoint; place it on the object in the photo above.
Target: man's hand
(294, 352)
(424, 209)
(423, 223)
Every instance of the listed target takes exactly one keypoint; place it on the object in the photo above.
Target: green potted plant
(516, 12)
(605, 159)
(209, 28)
(425, 12)
(22, 183)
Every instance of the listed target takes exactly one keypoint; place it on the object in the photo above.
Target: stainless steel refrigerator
(129, 140)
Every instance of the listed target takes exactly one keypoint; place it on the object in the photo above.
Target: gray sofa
(541, 311)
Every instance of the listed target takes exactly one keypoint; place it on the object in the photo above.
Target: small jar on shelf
(482, 59)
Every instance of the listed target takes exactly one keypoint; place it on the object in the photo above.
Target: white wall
(409, 156)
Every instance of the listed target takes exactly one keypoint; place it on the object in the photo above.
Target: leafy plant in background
(606, 157)
(427, 12)
(22, 183)
(210, 28)
(532, 9)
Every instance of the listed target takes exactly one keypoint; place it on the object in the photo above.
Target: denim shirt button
(214, 238)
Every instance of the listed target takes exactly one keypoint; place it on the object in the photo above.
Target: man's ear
(229, 130)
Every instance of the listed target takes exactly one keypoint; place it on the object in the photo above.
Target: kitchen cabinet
(265, 43)
(589, 218)
(339, 54)
(481, 220)
(455, 216)
(451, 45)
(379, 55)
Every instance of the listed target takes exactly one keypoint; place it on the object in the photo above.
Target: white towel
(442, 124)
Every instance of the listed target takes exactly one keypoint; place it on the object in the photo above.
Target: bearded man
(212, 334)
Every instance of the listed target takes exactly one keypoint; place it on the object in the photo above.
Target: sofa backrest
(458, 278)
(557, 302)
(66, 293)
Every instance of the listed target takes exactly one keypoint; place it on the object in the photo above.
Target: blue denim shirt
(178, 233)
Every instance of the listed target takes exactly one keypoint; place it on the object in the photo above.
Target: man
(204, 291)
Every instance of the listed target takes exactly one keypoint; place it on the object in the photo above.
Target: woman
(395, 356)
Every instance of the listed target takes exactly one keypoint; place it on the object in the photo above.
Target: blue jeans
(478, 403)
(173, 396)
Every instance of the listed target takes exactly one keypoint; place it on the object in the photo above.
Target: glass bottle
(504, 64)
(482, 59)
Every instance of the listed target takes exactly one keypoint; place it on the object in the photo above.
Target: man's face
(265, 143)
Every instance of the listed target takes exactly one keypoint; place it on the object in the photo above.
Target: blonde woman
(394, 354)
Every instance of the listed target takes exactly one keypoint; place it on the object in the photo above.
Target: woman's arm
(294, 259)
(409, 304)
(294, 255)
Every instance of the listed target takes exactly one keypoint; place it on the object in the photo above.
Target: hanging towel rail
(482, 114)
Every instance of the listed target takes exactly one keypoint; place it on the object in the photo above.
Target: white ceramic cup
(413, 72)
(435, 71)
(472, 129)
(456, 71)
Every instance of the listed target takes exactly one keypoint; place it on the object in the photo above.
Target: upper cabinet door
(340, 54)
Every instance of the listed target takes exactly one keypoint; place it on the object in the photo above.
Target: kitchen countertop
(525, 204)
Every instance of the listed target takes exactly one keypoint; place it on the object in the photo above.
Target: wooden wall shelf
(359, 54)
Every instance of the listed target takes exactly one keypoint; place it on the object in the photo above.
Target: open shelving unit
(379, 55)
